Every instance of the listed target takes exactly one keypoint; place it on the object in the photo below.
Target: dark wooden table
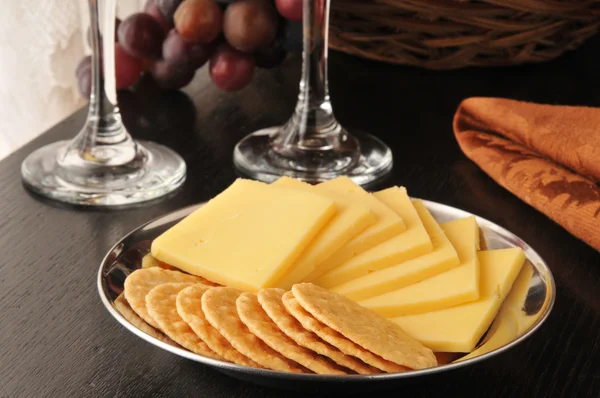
(57, 340)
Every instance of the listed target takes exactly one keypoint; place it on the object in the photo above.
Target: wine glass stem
(313, 126)
(103, 141)
(313, 98)
(103, 99)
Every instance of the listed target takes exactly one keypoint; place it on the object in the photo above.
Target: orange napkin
(547, 155)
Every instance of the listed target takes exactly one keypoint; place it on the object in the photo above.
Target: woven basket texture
(451, 34)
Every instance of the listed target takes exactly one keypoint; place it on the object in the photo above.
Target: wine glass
(312, 146)
(103, 165)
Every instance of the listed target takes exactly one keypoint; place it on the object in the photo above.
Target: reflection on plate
(522, 313)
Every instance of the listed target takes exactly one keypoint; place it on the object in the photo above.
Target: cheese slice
(441, 259)
(511, 321)
(351, 219)
(246, 237)
(388, 224)
(501, 334)
(457, 286)
(459, 328)
(411, 243)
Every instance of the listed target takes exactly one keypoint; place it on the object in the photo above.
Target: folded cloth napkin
(547, 155)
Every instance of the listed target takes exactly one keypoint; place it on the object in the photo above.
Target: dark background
(57, 340)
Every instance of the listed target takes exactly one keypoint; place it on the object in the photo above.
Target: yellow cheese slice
(247, 236)
(351, 219)
(441, 259)
(411, 243)
(459, 328)
(388, 224)
(511, 321)
(502, 333)
(457, 286)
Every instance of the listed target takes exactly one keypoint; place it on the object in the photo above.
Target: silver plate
(127, 254)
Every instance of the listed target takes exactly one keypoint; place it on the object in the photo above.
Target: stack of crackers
(305, 330)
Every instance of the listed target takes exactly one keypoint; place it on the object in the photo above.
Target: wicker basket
(449, 34)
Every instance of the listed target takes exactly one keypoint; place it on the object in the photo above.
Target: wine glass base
(253, 157)
(157, 171)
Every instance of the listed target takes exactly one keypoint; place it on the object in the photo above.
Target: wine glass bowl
(313, 146)
(103, 165)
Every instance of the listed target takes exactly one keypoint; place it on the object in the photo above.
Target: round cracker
(336, 339)
(364, 326)
(189, 308)
(148, 261)
(220, 310)
(161, 303)
(270, 301)
(125, 310)
(141, 281)
(259, 323)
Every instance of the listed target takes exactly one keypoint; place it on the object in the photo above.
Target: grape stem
(313, 134)
(103, 141)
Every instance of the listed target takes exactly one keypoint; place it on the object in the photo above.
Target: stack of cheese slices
(383, 250)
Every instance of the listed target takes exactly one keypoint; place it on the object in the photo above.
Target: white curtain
(41, 43)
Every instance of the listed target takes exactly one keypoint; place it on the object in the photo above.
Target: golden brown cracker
(259, 324)
(189, 308)
(141, 281)
(336, 339)
(271, 302)
(125, 310)
(363, 326)
(219, 307)
(161, 303)
(148, 261)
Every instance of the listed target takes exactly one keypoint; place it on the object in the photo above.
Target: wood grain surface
(57, 339)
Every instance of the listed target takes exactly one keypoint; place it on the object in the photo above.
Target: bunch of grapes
(171, 39)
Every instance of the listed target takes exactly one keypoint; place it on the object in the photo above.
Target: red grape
(152, 9)
(167, 8)
(127, 68)
(172, 76)
(175, 49)
(199, 54)
(141, 36)
(84, 76)
(199, 21)
(178, 51)
(231, 70)
(290, 9)
(250, 24)
(147, 64)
